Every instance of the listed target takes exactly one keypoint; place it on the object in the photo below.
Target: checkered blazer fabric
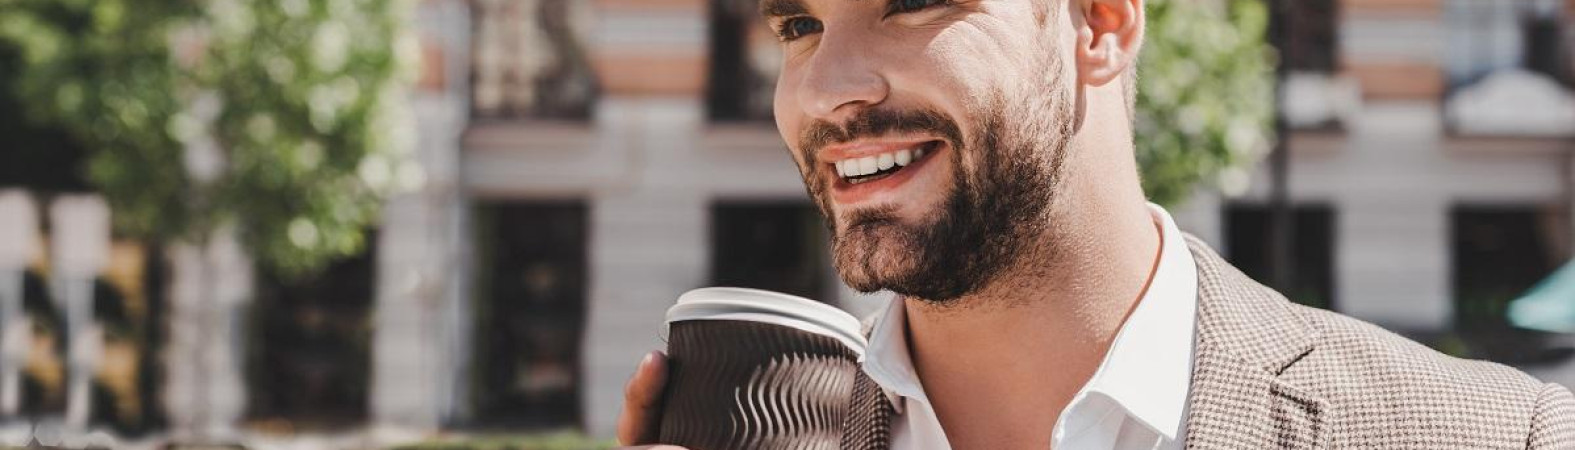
(1271, 374)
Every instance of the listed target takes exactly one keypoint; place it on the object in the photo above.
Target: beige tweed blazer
(1272, 374)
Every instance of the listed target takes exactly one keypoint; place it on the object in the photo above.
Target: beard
(998, 210)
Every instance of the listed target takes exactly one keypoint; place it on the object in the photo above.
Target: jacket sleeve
(1553, 421)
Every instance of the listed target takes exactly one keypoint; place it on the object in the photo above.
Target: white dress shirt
(1137, 397)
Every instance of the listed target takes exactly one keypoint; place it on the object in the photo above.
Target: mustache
(872, 123)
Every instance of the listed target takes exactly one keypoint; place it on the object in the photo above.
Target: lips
(877, 167)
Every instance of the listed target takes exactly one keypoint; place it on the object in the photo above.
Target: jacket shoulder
(1344, 355)
(1370, 351)
(1381, 383)
(1371, 387)
(1553, 423)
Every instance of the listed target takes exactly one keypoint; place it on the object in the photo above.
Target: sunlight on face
(929, 132)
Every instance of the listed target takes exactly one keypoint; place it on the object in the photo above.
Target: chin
(870, 256)
(878, 256)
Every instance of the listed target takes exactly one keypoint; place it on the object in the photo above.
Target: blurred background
(457, 223)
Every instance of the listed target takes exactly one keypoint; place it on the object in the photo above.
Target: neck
(1022, 347)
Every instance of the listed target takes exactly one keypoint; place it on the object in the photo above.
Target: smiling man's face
(929, 132)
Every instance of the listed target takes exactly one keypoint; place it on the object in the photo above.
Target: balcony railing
(530, 60)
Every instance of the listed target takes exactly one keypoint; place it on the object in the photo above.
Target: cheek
(993, 53)
(957, 73)
(784, 108)
(787, 121)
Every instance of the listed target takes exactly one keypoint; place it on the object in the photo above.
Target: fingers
(642, 402)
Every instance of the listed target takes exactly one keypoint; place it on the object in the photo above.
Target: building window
(773, 246)
(1249, 249)
(1499, 252)
(1317, 98)
(745, 59)
(529, 60)
(1486, 36)
(1315, 38)
(310, 357)
(531, 314)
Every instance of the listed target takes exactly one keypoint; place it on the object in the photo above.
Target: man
(975, 157)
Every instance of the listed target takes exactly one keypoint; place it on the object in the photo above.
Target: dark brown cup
(752, 369)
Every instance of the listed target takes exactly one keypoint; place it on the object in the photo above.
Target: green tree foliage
(100, 71)
(1205, 98)
(284, 117)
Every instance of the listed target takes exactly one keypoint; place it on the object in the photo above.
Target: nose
(842, 77)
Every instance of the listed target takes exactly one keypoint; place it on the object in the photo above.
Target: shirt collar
(886, 359)
(1147, 371)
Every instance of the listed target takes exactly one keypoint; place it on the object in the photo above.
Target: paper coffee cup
(754, 369)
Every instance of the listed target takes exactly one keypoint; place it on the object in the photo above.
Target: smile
(869, 168)
(877, 172)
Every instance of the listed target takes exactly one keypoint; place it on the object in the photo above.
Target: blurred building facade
(1431, 143)
(582, 173)
(602, 172)
(1431, 167)
(589, 160)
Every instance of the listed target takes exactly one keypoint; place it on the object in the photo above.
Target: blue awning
(1548, 306)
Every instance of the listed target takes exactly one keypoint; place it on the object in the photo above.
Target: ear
(1108, 39)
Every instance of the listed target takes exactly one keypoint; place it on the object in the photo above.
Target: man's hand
(641, 419)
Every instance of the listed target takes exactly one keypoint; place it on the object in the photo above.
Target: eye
(796, 27)
(907, 6)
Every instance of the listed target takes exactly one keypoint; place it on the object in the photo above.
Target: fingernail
(646, 361)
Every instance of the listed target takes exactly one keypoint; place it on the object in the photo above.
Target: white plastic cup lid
(756, 305)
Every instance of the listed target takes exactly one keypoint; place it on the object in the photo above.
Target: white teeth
(904, 157)
(867, 165)
(857, 167)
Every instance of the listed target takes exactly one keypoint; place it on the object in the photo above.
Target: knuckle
(630, 389)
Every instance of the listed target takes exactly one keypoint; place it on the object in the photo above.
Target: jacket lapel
(867, 425)
(1247, 336)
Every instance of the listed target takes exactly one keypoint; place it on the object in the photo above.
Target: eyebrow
(781, 8)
